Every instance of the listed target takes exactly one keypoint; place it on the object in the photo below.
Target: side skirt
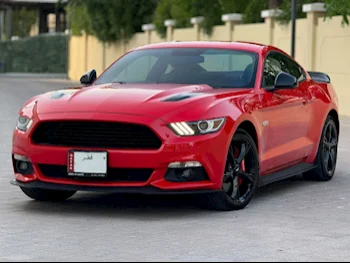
(285, 173)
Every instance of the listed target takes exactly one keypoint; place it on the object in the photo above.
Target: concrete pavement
(35, 75)
(294, 220)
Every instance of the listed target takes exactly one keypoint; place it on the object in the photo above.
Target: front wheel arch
(248, 125)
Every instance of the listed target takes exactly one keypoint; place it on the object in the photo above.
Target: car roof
(238, 45)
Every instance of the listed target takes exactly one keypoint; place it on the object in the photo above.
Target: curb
(35, 75)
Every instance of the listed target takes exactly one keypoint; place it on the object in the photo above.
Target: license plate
(87, 164)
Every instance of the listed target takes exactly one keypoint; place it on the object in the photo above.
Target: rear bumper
(147, 190)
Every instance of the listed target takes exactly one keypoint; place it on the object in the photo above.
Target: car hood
(153, 100)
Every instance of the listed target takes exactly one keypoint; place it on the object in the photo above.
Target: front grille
(96, 134)
(113, 174)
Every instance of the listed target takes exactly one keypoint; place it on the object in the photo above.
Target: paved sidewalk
(34, 75)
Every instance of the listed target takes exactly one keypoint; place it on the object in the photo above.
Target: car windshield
(219, 68)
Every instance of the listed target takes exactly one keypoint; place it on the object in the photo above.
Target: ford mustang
(216, 118)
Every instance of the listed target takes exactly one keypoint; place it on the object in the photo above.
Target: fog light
(192, 174)
(23, 166)
(187, 174)
(185, 164)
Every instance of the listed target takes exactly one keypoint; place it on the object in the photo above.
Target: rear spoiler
(319, 76)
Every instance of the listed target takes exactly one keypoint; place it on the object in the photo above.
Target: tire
(47, 195)
(224, 200)
(328, 146)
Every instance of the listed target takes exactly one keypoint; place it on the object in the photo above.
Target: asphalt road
(294, 220)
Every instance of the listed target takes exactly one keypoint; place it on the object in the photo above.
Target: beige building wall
(77, 57)
(113, 52)
(140, 39)
(155, 38)
(252, 32)
(282, 39)
(95, 55)
(332, 55)
(321, 45)
(34, 30)
(219, 33)
(184, 34)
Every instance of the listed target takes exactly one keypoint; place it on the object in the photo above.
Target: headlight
(23, 123)
(197, 127)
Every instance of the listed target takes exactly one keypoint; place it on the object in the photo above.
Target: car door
(286, 116)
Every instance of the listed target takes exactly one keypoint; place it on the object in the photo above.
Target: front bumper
(210, 150)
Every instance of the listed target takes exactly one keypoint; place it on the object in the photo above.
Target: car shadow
(281, 187)
(120, 205)
(147, 206)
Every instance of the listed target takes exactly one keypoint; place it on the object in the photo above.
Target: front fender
(233, 110)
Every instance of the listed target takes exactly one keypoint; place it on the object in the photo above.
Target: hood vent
(59, 94)
(182, 96)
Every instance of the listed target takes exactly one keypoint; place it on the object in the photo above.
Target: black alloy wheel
(241, 176)
(326, 159)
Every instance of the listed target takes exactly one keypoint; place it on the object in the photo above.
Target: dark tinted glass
(277, 62)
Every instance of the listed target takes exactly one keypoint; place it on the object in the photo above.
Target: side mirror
(285, 81)
(89, 77)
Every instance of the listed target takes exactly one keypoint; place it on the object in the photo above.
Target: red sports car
(216, 118)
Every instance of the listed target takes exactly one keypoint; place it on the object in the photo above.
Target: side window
(275, 63)
(272, 67)
(141, 66)
(292, 68)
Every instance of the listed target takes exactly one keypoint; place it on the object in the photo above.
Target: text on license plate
(87, 163)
